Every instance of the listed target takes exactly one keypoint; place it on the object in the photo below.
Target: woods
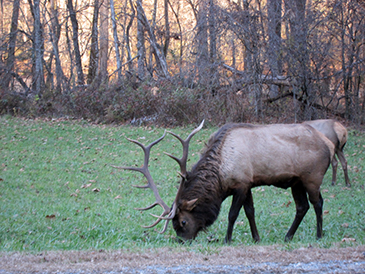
(176, 61)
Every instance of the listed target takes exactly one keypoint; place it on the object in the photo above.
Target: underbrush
(163, 103)
(59, 192)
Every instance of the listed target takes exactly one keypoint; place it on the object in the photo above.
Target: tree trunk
(140, 42)
(93, 59)
(167, 27)
(2, 32)
(75, 39)
(69, 51)
(179, 36)
(213, 58)
(127, 39)
(54, 37)
(160, 58)
(12, 43)
(116, 41)
(212, 32)
(298, 61)
(104, 42)
(38, 74)
(202, 41)
(274, 43)
(152, 24)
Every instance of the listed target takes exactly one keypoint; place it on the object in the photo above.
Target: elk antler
(185, 143)
(150, 184)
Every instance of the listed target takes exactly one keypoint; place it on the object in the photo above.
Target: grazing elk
(237, 158)
(337, 134)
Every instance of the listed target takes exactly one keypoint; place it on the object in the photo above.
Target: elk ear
(191, 204)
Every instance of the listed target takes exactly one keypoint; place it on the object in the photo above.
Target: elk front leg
(302, 206)
(250, 214)
(237, 203)
(317, 202)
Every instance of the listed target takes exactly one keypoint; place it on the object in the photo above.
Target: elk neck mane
(204, 181)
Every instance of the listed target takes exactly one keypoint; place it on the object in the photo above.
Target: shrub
(166, 103)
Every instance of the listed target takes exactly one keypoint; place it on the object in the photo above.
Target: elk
(237, 158)
(337, 134)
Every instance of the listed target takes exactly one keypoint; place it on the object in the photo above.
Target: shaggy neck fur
(204, 181)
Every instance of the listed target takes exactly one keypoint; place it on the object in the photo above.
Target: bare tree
(167, 27)
(351, 22)
(55, 32)
(141, 49)
(178, 36)
(38, 49)
(297, 51)
(202, 47)
(259, 56)
(274, 43)
(75, 40)
(213, 41)
(12, 44)
(127, 32)
(116, 41)
(104, 42)
(212, 31)
(94, 48)
(159, 57)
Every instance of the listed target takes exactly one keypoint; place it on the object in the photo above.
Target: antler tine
(141, 170)
(144, 169)
(161, 217)
(147, 208)
(185, 143)
(171, 215)
(167, 219)
(150, 183)
(155, 223)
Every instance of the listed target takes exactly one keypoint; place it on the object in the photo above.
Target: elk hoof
(227, 241)
(288, 238)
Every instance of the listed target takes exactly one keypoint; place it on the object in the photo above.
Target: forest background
(174, 62)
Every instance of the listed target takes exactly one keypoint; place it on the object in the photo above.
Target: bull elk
(237, 158)
(337, 134)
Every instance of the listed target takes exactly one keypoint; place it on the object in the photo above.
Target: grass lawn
(58, 191)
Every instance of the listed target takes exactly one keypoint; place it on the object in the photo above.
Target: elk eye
(183, 223)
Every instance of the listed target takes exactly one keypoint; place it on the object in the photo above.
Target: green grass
(58, 191)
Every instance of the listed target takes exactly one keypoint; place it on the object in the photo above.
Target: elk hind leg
(301, 202)
(341, 157)
(334, 164)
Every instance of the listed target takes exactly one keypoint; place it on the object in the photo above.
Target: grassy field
(58, 191)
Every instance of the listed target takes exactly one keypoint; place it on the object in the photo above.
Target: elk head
(183, 221)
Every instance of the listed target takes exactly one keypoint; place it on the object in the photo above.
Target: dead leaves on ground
(85, 186)
(347, 240)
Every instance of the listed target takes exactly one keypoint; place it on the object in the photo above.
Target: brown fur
(337, 134)
(242, 156)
